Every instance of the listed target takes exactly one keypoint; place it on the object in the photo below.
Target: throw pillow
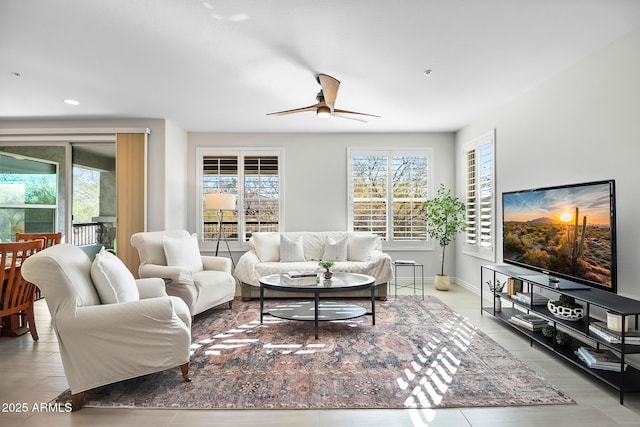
(267, 246)
(335, 250)
(291, 250)
(112, 279)
(183, 252)
(359, 246)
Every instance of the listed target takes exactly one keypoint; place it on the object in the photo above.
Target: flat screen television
(566, 231)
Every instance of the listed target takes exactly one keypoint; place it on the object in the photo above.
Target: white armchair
(105, 343)
(201, 281)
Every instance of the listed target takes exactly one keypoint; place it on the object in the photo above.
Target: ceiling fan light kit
(326, 102)
(323, 112)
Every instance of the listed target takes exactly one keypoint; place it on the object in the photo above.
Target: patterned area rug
(419, 354)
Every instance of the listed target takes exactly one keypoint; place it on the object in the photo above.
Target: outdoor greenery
(86, 194)
(445, 216)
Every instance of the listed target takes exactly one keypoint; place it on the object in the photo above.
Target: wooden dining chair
(17, 294)
(50, 239)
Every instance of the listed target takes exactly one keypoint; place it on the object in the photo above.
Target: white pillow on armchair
(112, 279)
(183, 252)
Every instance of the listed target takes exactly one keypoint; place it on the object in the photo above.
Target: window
(388, 193)
(28, 196)
(254, 176)
(480, 196)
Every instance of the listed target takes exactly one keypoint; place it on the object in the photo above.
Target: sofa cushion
(183, 252)
(335, 250)
(112, 279)
(267, 246)
(360, 245)
(291, 250)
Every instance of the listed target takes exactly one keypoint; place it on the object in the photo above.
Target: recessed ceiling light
(427, 72)
(16, 74)
(71, 102)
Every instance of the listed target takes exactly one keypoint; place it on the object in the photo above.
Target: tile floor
(32, 373)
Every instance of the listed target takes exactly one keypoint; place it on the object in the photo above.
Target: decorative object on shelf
(563, 338)
(495, 288)
(614, 322)
(566, 308)
(547, 331)
(445, 218)
(327, 265)
(497, 304)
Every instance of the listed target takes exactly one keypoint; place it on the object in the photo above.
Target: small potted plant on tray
(327, 265)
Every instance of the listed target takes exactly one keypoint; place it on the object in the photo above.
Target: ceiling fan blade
(337, 110)
(348, 116)
(295, 110)
(329, 89)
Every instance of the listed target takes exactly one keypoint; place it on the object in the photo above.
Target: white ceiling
(222, 65)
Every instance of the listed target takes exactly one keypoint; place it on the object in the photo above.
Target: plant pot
(442, 282)
(497, 303)
(328, 275)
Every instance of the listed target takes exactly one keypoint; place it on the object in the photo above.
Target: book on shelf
(599, 329)
(598, 358)
(531, 318)
(513, 286)
(527, 298)
(531, 325)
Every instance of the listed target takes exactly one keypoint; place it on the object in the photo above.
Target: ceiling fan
(325, 106)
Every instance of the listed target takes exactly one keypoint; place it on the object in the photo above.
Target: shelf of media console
(625, 381)
(612, 378)
(581, 327)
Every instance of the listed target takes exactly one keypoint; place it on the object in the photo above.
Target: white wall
(315, 175)
(582, 125)
(175, 173)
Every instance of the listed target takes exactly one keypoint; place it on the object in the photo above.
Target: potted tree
(445, 218)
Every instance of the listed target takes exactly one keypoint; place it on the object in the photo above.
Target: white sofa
(353, 252)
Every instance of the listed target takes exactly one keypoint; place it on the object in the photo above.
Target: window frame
(475, 144)
(50, 207)
(241, 153)
(389, 243)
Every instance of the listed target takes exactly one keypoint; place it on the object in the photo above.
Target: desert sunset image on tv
(563, 230)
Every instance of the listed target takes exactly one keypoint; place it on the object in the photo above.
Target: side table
(414, 265)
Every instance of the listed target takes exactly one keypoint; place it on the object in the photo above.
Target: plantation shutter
(471, 233)
(220, 175)
(409, 176)
(480, 198)
(485, 166)
(261, 194)
(369, 192)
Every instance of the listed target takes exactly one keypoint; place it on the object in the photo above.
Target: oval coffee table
(317, 311)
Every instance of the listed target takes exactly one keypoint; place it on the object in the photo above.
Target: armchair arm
(176, 274)
(151, 287)
(216, 263)
(143, 316)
